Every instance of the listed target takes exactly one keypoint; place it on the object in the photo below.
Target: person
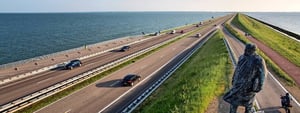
(247, 80)
(286, 100)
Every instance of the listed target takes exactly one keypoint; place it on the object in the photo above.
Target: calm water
(288, 21)
(24, 36)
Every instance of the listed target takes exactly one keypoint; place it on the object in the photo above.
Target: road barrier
(51, 90)
(272, 76)
(150, 90)
(17, 77)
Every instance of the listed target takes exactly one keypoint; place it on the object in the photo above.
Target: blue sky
(148, 5)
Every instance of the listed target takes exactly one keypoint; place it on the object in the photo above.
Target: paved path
(288, 67)
(269, 98)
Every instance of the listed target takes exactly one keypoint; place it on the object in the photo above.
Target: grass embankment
(59, 95)
(277, 70)
(282, 44)
(195, 84)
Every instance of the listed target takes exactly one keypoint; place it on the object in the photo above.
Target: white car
(173, 32)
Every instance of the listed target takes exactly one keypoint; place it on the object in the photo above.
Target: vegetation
(282, 44)
(59, 95)
(195, 84)
(278, 71)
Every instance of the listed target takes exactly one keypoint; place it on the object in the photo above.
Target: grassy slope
(194, 85)
(285, 46)
(269, 62)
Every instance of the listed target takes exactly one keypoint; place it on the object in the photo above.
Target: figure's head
(250, 49)
(287, 94)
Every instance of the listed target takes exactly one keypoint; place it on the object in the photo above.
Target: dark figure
(286, 100)
(248, 79)
(143, 33)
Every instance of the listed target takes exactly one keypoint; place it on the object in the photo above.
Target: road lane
(98, 95)
(29, 85)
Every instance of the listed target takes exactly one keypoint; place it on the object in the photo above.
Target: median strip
(195, 83)
(83, 80)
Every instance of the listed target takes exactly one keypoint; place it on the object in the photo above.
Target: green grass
(282, 44)
(59, 95)
(195, 84)
(278, 71)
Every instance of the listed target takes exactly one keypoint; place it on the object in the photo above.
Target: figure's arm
(262, 72)
(234, 73)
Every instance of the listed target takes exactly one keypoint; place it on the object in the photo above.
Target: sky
(149, 5)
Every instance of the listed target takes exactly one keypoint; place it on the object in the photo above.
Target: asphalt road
(269, 98)
(107, 94)
(15, 90)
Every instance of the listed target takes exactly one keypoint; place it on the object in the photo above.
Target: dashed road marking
(68, 111)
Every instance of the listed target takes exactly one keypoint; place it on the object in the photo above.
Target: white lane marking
(140, 82)
(144, 79)
(114, 83)
(44, 81)
(284, 88)
(68, 111)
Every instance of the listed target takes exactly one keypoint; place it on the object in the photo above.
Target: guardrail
(150, 90)
(234, 60)
(41, 94)
(12, 64)
(17, 77)
(272, 76)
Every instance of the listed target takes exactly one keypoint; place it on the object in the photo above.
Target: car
(129, 79)
(181, 31)
(173, 32)
(198, 35)
(73, 63)
(125, 48)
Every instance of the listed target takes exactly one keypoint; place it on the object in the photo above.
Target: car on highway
(124, 48)
(173, 31)
(129, 79)
(73, 63)
(198, 35)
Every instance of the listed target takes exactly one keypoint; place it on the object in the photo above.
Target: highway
(269, 98)
(107, 94)
(27, 86)
(31, 84)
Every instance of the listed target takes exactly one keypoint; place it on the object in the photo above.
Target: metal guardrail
(150, 90)
(17, 77)
(41, 94)
(272, 76)
(12, 64)
(234, 60)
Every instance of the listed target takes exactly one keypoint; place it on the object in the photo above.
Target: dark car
(73, 63)
(130, 79)
(125, 48)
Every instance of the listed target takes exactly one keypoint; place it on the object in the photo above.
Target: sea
(30, 35)
(286, 20)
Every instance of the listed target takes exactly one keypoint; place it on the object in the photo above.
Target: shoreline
(37, 58)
